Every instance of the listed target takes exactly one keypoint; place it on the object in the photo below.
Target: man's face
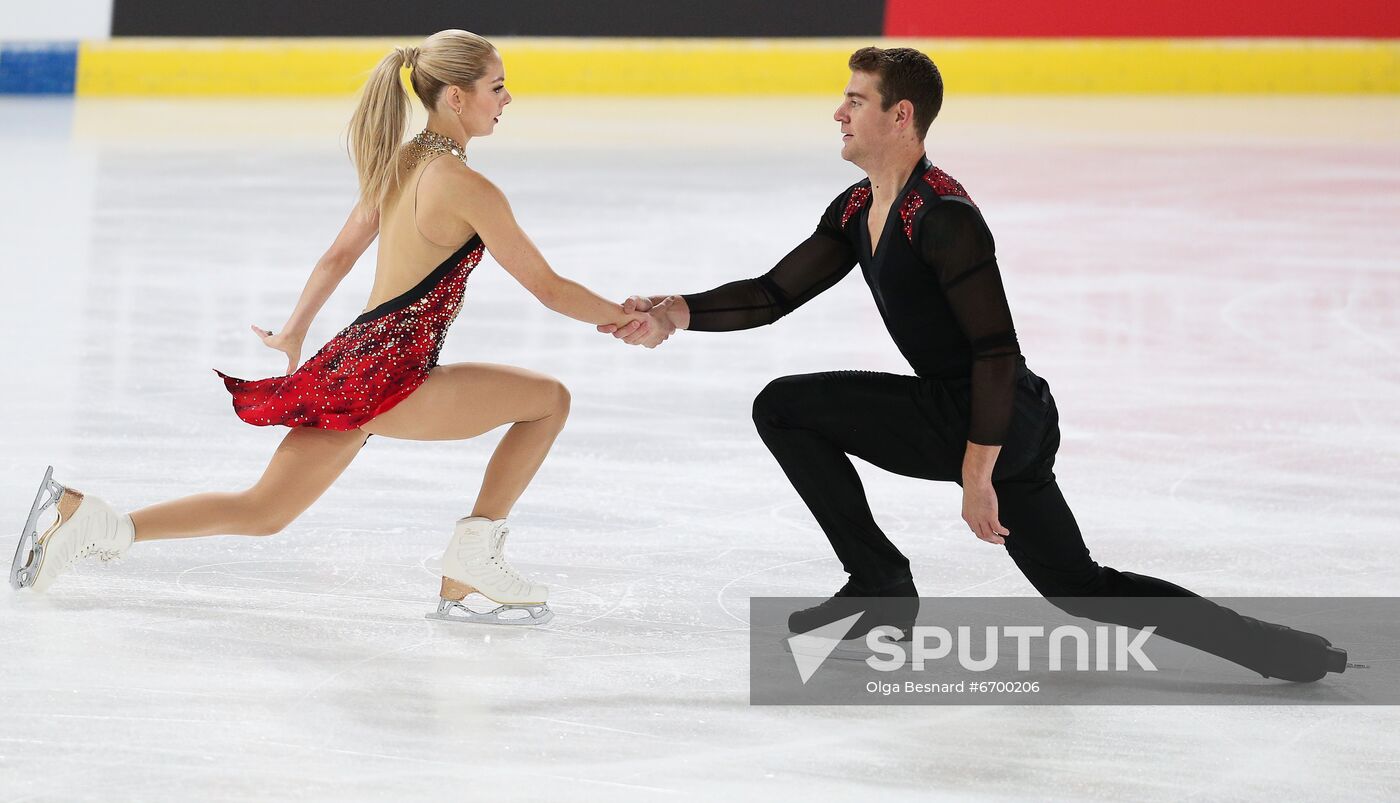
(865, 127)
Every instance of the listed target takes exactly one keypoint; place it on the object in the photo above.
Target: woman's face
(482, 105)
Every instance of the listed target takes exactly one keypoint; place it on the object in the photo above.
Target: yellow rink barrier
(300, 67)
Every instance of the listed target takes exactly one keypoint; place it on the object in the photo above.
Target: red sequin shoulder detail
(943, 184)
(912, 203)
(859, 197)
(369, 366)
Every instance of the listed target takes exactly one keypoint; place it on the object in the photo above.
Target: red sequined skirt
(370, 365)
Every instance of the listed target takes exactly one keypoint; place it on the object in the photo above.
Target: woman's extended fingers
(624, 331)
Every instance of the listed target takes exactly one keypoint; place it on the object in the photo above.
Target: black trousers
(918, 428)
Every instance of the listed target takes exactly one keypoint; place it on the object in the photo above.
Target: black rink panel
(672, 18)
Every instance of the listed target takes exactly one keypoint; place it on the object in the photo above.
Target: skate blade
(454, 611)
(29, 552)
(854, 649)
(848, 650)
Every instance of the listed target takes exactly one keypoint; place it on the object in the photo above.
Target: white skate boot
(86, 527)
(475, 562)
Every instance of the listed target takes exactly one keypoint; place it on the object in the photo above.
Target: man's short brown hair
(905, 74)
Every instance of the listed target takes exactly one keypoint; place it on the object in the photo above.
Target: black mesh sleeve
(957, 245)
(816, 264)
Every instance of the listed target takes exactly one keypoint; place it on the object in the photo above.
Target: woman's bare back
(418, 226)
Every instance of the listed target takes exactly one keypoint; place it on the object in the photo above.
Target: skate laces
(838, 600)
(498, 548)
(488, 556)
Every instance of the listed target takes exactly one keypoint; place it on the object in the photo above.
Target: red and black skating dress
(371, 365)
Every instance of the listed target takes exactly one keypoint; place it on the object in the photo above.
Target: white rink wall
(47, 20)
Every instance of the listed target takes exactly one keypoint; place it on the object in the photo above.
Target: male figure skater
(973, 413)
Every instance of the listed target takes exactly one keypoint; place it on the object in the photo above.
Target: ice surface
(1210, 285)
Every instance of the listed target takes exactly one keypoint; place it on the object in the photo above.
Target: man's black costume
(935, 280)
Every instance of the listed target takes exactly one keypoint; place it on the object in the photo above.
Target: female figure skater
(435, 216)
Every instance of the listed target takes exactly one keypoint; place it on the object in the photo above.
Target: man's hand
(980, 512)
(632, 304)
(663, 322)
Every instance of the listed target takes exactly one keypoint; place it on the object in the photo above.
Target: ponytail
(378, 126)
(449, 57)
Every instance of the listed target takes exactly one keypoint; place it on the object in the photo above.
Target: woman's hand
(660, 327)
(638, 330)
(285, 343)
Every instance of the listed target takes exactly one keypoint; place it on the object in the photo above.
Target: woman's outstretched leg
(306, 463)
(456, 402)
(462, 401)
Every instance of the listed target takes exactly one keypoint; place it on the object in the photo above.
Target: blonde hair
(447, 58)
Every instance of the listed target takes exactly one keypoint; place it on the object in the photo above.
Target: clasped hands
(656, 318)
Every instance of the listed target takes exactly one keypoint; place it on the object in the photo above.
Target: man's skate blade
(24, 568)
(851, 649)
(509, 615)
(847, 650)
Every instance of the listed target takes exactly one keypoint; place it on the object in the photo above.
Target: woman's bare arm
(354, 237)
(486, 209)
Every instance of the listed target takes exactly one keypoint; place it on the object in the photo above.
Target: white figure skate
(475, 562)
(85, 527)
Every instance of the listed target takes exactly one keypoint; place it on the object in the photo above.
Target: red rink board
(1367, 19)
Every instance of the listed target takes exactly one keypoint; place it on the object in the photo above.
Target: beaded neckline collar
(430, 143)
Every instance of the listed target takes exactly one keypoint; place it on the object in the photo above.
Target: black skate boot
(1287, 654)
(896, 606)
